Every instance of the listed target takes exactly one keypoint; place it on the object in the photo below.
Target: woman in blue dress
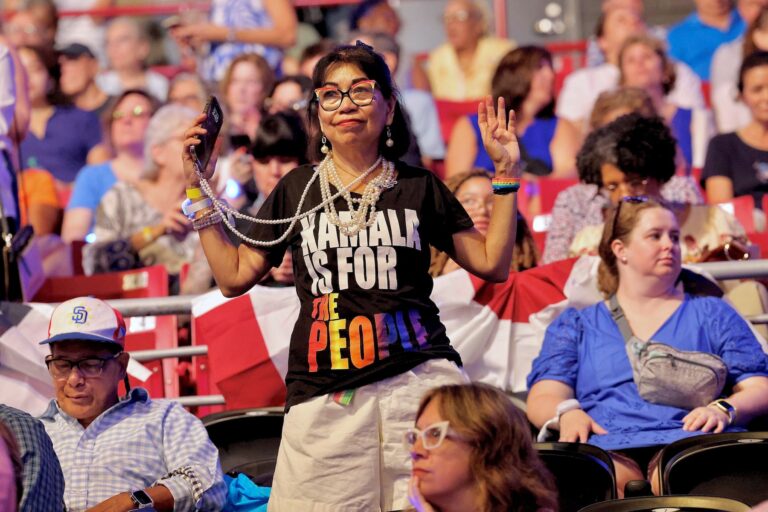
(526, 80)
(583, 380)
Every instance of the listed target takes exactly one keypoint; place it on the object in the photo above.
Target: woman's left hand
(417, 500)
(499, 137)
(705, 419)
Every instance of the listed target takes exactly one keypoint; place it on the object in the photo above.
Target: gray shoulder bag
(668, 376)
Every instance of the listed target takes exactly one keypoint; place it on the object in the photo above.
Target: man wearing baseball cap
(79, 67)
(120, 453)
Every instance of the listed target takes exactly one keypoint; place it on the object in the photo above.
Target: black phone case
(214, 118)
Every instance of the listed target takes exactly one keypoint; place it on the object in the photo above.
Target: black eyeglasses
(91, 367)
(361, 94)
(625, 199)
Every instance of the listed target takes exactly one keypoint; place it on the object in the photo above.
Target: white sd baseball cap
(86, 319)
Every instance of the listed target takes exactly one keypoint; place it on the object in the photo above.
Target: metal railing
(182, 305)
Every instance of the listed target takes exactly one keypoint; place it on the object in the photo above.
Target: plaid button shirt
(42, 479)
(133, 445)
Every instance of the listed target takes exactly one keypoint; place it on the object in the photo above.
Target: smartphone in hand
(214, 118)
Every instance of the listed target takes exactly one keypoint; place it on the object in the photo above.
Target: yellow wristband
(146, 232)
(194, 193)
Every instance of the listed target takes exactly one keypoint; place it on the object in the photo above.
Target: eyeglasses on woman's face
(137, 111)
(89, 367)
(431, 437)
(360, 93)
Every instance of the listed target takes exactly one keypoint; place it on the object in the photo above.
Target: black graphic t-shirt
(365, 310)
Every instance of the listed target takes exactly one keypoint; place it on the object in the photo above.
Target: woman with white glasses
(472, 452)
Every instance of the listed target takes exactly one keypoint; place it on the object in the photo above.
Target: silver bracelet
(206, 220)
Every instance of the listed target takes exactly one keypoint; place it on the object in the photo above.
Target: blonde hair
(509, 473)
(632, 99)
(618, 228)
(667, 67)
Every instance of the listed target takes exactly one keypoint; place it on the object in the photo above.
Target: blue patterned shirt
(43, 483)
(237, 14)
(135, 444)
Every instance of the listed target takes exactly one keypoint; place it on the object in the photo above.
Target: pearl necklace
(384, 180)
(365, 214)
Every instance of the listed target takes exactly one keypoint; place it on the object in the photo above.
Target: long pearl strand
(365, 214)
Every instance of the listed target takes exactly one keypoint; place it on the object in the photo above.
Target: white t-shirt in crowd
(730, 112)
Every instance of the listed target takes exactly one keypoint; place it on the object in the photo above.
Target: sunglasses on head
(625, 199)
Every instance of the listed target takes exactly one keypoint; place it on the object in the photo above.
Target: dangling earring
(324, 148)
(389, 142)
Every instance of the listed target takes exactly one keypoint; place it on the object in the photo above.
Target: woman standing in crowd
(472, 451)
(583, 380)
(526, 81)
(474, 190)
(51, 144)
(146, 213)
(644, 63)
(737, 163)
(368, 341)
(126, 124)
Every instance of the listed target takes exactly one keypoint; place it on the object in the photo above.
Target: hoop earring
(324, 147)
(389, 142)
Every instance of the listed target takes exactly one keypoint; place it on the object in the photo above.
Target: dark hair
(49, 60)
(373, 66)
(107, 118)
(760, 23)
(512, 79)
(280, 134)
(362, 10)
(509, 474)
(322, 47)
(753, 60)
(302, 81)
(618, 228)
(637, 145)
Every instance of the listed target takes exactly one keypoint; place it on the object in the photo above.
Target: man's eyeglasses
(625, 199)
(137, 111)
(361, 94)
(431, 437)
(459, 16)
(91, 367)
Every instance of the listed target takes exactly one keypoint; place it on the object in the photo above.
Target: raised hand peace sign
(499, 137)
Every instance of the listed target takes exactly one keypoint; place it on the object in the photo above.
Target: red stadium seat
(450, 111)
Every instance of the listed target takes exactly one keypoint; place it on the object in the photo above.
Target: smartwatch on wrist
(725, 407)
(141, 500)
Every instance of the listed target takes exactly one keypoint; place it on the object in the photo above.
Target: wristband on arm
(554, 422)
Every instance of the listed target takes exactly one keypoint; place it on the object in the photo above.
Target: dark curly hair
(635, 144)
(373, 67)
(510, 475)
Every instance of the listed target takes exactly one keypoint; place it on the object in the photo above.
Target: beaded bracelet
(189, 208)
(502, 186)
(194, 193)
(209, 219)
